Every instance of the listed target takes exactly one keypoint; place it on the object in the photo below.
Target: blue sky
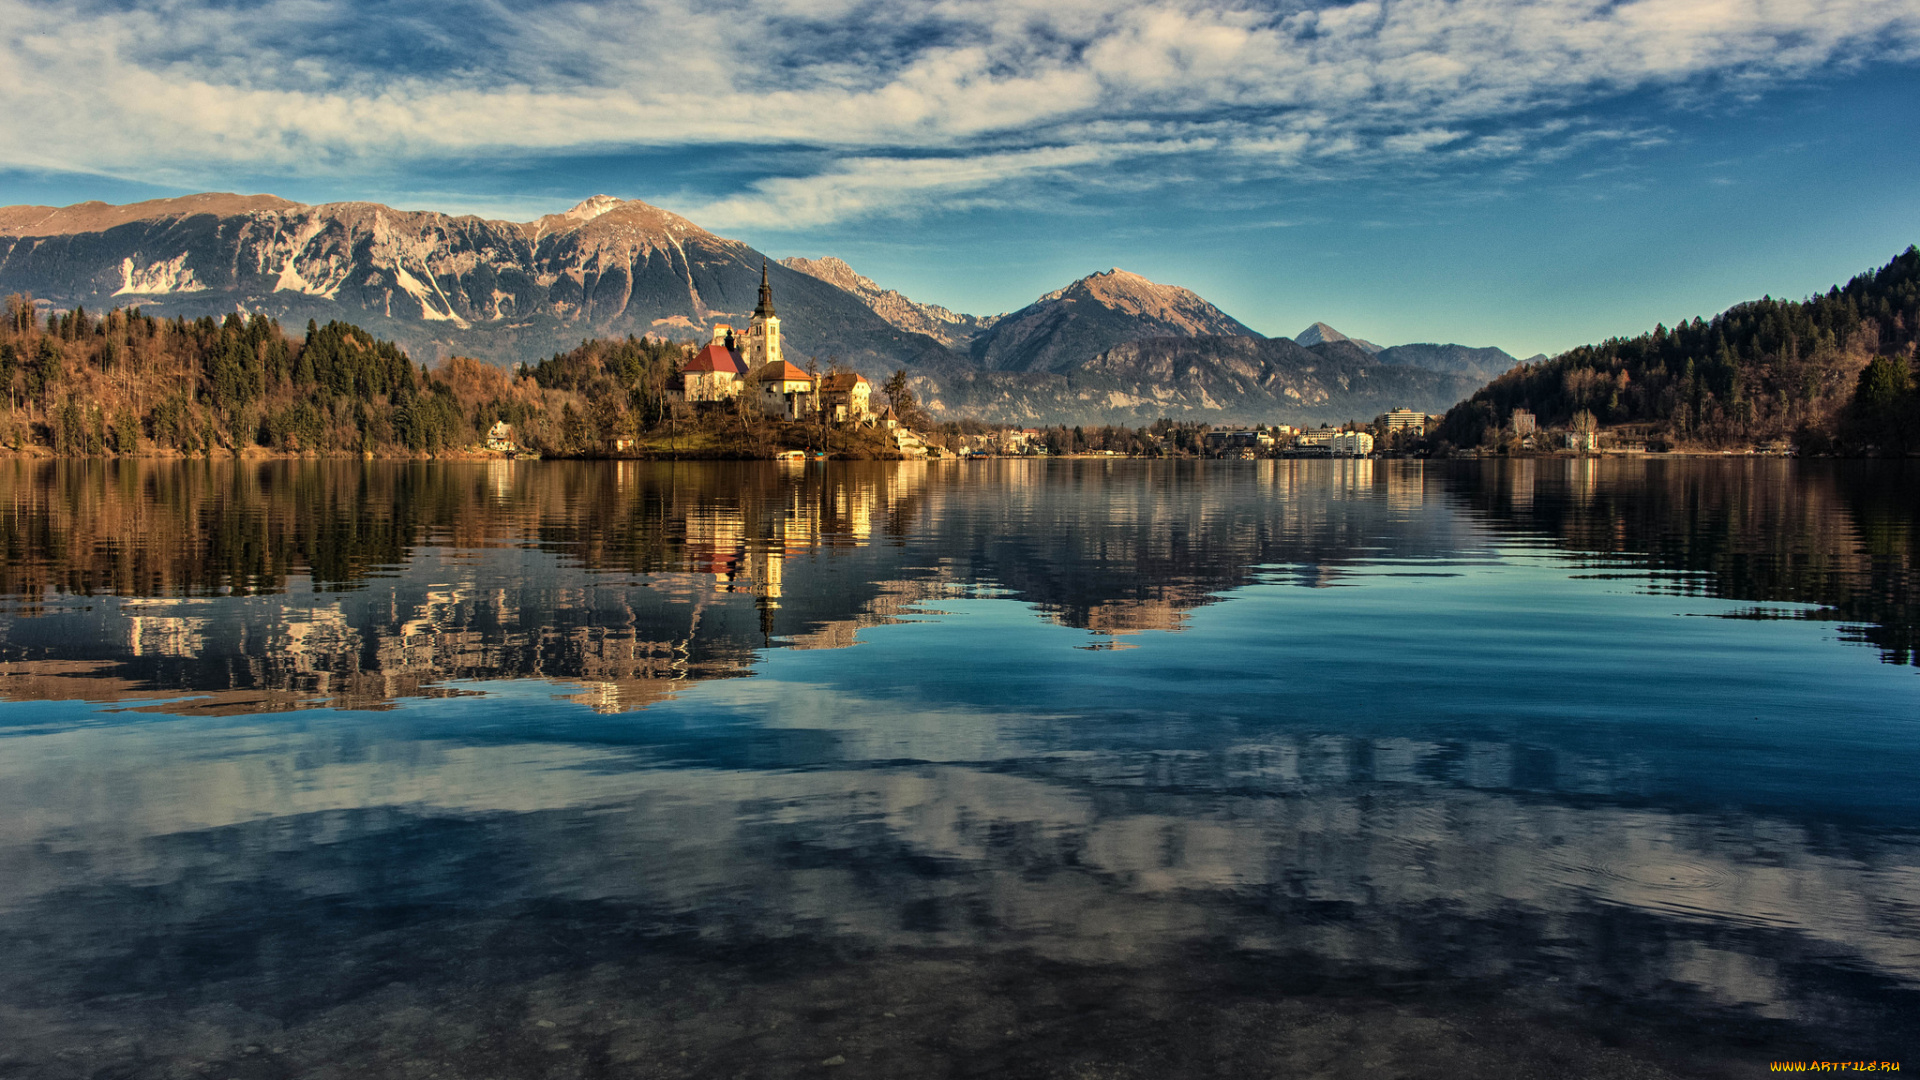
(1532, 174)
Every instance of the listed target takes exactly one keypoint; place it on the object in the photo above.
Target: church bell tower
(763, 332)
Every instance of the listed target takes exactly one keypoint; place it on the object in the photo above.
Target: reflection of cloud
(1098, 854)
(288, 84)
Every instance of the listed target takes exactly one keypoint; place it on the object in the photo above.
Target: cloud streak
(908, 101)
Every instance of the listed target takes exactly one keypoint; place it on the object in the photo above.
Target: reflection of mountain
(620, 580)
(1434, 817)
(274, 586)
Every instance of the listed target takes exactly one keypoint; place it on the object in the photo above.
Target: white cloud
(954, 96)
(864, 186)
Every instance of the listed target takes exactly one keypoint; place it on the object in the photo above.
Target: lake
(1072, 768)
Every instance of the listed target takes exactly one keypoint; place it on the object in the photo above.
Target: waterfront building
(1233, 441)
(1350, 444)
(785, 391)
(846, 397)
(1523, 422)
(1395, 421)
(500, 437)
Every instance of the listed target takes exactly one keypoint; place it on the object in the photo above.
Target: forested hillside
(127, 383)
(1760, 371)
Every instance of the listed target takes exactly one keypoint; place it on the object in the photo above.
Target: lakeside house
(846, 397)
(785, 391)
(1238, 442)
(500, 437)
(1351, 444)
(1395, 421)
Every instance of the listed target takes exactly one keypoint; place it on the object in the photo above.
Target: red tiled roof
(716, 357)
(783, 371)
(841, 381)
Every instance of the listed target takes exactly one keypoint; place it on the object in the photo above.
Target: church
(750, 362)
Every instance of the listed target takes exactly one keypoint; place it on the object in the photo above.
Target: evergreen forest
(1832, 373)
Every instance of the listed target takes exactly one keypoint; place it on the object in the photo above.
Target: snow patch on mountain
(166, 276)
(592, 208)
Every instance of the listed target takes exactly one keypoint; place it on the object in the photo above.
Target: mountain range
(1110, 347)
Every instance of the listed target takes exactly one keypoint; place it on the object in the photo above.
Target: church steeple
(765, 310)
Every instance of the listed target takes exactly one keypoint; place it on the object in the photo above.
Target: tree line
(1760, 371)
(126, 382)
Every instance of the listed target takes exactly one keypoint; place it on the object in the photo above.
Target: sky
(1532, 174)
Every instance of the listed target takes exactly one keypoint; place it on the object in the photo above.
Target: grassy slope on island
(1760, 371)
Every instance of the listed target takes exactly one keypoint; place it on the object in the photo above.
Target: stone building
(785, 391)
(847, 397)
(716, 373)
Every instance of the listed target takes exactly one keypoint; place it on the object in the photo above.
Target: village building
(500, 437)
(785, 391)
(1398, 420)
(846, 397)
(716, 373)
(1351, 444)
(908, 443)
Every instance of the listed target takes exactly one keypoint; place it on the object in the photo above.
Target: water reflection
(1838, 535)
(1416, 770)
(273, 586)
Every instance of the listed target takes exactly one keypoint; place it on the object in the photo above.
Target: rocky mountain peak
(92, 217)
(1321, 334)
(607, 217)
(1093, 315)
(949, 328)
(593, 208)
(1318, 333)
(834, 270)
(1176, 311)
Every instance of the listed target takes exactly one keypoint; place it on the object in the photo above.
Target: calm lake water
(1008, 768)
